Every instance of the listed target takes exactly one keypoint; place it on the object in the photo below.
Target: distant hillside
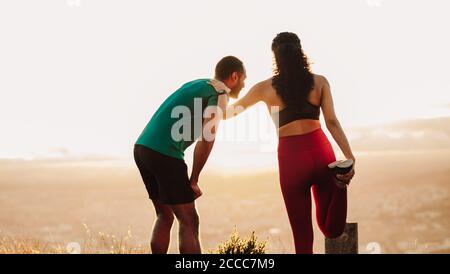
(414, 134)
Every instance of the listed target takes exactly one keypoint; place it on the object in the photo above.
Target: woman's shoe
(341, 167)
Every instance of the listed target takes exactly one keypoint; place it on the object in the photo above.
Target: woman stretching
(304, 151)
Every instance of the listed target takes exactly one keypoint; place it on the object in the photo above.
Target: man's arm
(205, 144)
(201, 153)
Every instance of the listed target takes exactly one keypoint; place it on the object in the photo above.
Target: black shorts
(166, 178)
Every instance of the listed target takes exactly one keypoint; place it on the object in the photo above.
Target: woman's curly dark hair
(293, 79)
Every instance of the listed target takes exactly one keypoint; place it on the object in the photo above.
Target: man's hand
(195, 187)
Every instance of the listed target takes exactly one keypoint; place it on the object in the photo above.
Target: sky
(83, 77)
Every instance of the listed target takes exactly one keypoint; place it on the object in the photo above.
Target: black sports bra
(289, 114)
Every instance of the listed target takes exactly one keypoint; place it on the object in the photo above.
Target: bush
(236, 245)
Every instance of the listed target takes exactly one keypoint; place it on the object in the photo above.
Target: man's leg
(188, 219)
(161, 229)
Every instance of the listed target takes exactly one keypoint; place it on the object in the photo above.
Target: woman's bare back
(274, 101)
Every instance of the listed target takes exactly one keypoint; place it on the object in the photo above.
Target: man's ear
(235, 76)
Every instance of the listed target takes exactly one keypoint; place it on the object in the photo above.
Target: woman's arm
(334, 126)
(253, 96)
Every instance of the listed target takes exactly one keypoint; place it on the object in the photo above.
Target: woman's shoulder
(262, 90)
(320, 79)
(263, 86)
(265, 83)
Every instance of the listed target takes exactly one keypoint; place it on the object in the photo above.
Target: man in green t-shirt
(192, 113)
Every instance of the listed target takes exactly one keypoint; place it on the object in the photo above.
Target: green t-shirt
(165, 132)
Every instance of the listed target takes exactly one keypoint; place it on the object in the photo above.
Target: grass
(9, 245)
(102, 243)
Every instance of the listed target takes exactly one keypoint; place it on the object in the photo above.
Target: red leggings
(303, 163)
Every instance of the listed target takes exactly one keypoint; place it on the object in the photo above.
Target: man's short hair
(227, 66)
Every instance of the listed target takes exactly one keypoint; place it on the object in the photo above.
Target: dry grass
(102, 243)
(10, 245)
(95, 243)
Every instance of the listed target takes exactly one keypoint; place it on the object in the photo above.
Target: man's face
(238, 83)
